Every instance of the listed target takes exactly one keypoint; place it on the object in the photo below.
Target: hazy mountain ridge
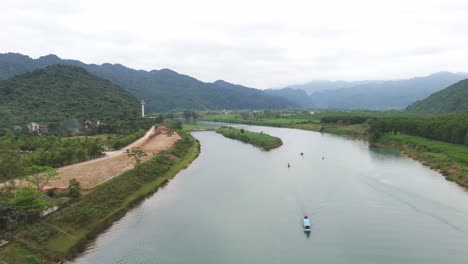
(451, 99)
(162, 90)
(380, 95)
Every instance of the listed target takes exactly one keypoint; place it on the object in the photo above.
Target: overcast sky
(261, 44)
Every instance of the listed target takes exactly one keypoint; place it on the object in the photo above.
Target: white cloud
(255, 43)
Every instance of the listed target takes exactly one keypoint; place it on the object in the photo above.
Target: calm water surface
(238, 204)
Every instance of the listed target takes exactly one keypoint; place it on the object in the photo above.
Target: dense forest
(452, 99)
(64, 97)
(163, 90)
(449, 128)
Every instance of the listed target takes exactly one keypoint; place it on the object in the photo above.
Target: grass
(188, 128)
(14, 253)
(65, 233)
(261, 140)
(354, 131)
(450, 159)
(275, 122)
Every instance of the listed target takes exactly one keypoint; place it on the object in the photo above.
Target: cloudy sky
(261, 44)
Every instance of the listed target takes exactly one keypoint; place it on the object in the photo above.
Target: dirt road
(94, 172)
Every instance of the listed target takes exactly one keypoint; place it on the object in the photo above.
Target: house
(33, 127)
(38, 128)
(88, 124)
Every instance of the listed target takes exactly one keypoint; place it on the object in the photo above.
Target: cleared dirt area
(94, 172)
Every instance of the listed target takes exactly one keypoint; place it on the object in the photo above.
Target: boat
(306, 224)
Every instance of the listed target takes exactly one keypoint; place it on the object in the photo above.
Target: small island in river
(261, 140)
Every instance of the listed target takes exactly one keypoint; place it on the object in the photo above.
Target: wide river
(238, 204)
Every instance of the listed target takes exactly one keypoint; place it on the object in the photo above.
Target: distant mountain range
(167, 90)
(320, 86)
(59, 93)
(162, 90)
(451, 99)
(377, 95)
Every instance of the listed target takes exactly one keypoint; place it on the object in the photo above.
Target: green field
(261, 140)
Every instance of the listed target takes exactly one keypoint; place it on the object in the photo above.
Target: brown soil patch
(94, 172)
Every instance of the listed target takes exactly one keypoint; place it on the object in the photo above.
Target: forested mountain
(162, 90)
(299, 97)
(382, 95)
(451, 99)
(59, 93)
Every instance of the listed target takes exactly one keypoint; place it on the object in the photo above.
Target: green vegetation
(67, 98)
(66, 232)
(451, 99)
(261, 140)
(15, 253)
(450, 159)
(163, 90)
(449, 128)
(188, 127)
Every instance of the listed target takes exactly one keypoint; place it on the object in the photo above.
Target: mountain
(162, 90)
(58, 93)
(299, 97)
(382, 95)
(451, 99)
(320, 86)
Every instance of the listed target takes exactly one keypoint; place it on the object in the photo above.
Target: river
(238, 204)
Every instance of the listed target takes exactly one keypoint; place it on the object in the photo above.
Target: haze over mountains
(167, 90)
(377, 95)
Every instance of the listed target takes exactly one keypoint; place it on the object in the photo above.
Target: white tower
(142, 108)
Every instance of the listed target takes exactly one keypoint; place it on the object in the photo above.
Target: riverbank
(94, 172)
(260, 140)
(448, 159)
(66, 233)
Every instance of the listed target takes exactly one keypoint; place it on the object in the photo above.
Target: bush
(74, 188)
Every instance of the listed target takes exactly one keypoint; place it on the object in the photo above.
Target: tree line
(449, 128)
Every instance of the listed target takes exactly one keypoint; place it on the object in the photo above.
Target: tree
(136, 154)
(28, 201)
(74, 188)
(8, 213)
(40, 175)
(10, 162)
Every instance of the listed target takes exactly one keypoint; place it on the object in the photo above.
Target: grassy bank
(312, 124)
(261, 140)
(64, 234)
(309, 124)
(449, 159)
(189, 128)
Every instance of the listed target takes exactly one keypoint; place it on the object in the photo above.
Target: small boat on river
(306, 224)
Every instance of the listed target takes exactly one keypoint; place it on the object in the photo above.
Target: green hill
(451, 99)
(62, 93)
(162, 90)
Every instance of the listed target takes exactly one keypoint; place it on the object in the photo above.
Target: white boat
(306, 224)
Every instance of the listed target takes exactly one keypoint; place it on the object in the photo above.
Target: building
(38, 128)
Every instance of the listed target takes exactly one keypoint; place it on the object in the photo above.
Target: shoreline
(65, 235)
(452, 175)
